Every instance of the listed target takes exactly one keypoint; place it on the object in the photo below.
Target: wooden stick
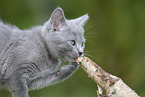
(111, 85)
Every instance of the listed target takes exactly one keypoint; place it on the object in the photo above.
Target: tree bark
(110, 84)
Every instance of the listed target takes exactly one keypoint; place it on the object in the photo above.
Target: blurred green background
(115, 40)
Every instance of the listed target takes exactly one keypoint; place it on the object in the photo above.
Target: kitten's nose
(80, 53)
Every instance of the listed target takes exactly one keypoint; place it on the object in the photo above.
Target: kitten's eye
(83, 44)
(72, 42)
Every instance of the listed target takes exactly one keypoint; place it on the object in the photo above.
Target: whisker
(93, 57)
(92, 51)
(87, 51)
(91, 33)
(90, 37)
(90, 25)
(90, 41)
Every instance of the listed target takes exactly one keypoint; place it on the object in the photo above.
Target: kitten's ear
(57, 18)
(82, 20)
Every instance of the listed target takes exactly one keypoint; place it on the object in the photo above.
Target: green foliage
(115, 36)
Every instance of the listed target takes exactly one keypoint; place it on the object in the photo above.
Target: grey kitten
(30, 59)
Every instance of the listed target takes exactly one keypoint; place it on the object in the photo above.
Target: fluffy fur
(30, 59)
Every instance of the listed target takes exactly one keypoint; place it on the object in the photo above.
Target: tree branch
(111, 85)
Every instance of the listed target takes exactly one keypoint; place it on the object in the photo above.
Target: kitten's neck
(47, 39)
(43, 33)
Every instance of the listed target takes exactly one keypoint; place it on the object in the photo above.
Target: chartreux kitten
(30, 59)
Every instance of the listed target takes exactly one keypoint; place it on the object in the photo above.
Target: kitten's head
(65, 38)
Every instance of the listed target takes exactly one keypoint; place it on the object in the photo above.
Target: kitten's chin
(71, 59)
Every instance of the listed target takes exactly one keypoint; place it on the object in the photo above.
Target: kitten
(30, 59)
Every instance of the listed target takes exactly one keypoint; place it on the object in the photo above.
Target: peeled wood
(111, 85)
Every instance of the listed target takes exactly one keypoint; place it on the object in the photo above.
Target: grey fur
(30, 59)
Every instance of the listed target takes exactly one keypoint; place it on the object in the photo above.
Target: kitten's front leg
(17, 86)
(17, 82)
(20, 93)
(48, 78)
(66, 71)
